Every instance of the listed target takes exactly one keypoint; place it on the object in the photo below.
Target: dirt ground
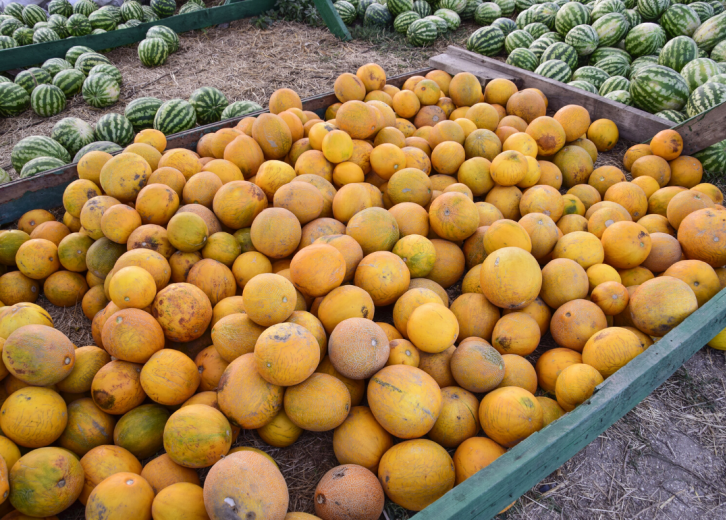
(665, 459)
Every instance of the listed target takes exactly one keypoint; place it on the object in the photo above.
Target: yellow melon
(575, 385)
(509, 415)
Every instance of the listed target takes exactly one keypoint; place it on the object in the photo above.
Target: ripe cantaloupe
(432, 327)
(543, 233)
(214, 278)
(132, 287)
(475, 314)
(182, 500)
(685, 203)
(89, 360)
(551, 410)
(286, 354)
(88, 427)
(575, 322)
(511, 278)
(197, 436)
(665, 252)
(551, 363)
(361, 440)
(183, 311)
(473, 455)
(458, 419)
(611, 349)
(349, 488)
(33, 417)
(575, 385)
(519, 372)
(169, 377)
(320, 403)
(477, 366)
(575, 164)
(611, 297)
(102, 462)
(509, 415)
(516, 333)
(626, 245)
(123, 176)
(563, 280)
(356, 387)
(269, 299)
(630, 196)
(38, 355)
(235, 335)
(505, 233)
(358, 348)
(383, 275)
(37, 258)
(700, 277)
(526, 104)
(116, 387)
(122, 495)
(163, 472)
(702, 234)
(659, 305)
(280, 432)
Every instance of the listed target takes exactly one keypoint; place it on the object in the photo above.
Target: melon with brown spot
(349, 488)
(286, 354)
(123, 495)
(659, 305)
(509, 415)
(38, 355)
(197, 436)
(116, 387)
(183, 311)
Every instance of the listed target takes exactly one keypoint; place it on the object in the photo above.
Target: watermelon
(114, 12)
(505, 25)
(536, 29)
(98, 31)
(524, 59)
(153, 52)
(47, 100)
(15, 10)
(610, 28)
(364, 4)
(523, 5)
(614, 66)
(58, 24)
(106, 68)
(87, 61)
(61, 7)
(163, 8)
(705, 98)
(644, 39)
(441, 26)
(23, 35)
(561, 51)
(149, 14)
(713, 158)
(73, 134)
(165, 33)
(507, 7)
(571, 15)
(131, 10)
(539, 46)
(141, 112)
(454, 5)
(621, 96)
(420, 7)
(240, 108)
(102, 20)
(377, 15)
(74, 52)
(718, 6)
(697, 72)
(673, 116)
(403, 21)
(518, 39)
(632, 17)
(655, 87)
(614, 83)
(555, 69)
(486, 13)
(5, 79)
(652, 9)
(69, 81)
(33, 14)
(525, 18)
(101, 146)
(584, 39)
(346, 11)
(4, 177)
(175, 115)
(209, 103)
(85, 7)
(711, 33)
(100, 90)
(32, 77)
(40, 165)
(78, 25)
(592, 75)
(9, 26)
(606, 7)
(553, 37)
(469, 10)
(7, 42)
(34, 146)
(718, 78)
(546, 14)
(44, 35)
(487, 41)
(14, 99)
(114, 128)
(422, 32)
(703, 10)
(583, 85)
(452, 19)
(397, 7)
(680, 20)
(678, 52)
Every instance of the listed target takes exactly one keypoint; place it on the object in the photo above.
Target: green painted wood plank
(495, 487)
(29, 55)
(332, 19)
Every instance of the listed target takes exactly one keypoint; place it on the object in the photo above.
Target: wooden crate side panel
(495, 487)
(703, 130)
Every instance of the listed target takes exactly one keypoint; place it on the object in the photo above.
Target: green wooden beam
(28, 55)
(495, 487)
(332, 19)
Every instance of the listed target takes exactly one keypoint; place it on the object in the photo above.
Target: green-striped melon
(524, 59)
(422, 33)
(713, 158)
(610, 28)
(403, 21)
(518, 39)
(175, 115)
(78, 25)
(614, 83)
(34, 146)
(486, 13)
(165, 33)
(697, 72)
(163, 8)
(655, 88)
(208, 103)
(30, 78)
(100, 90)
(593, 75)
(678, 52)
(563, 52)
(101, 146)
(70, 81)
(239, 109)
(571, 15)
(131, 10)
(114, 128)
(47, 100)
(153, 52)
(672, 115)
(73, 134)
(75, 52)
(555, 69)
(141, 112)
(583, 85)
(680, 20)
(583, 38)
(487, 41)
(705, 97)
(644, 39)
(39, 165)
(87, 61)
(14, 99)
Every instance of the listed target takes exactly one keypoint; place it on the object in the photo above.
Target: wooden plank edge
(493, 488)
(332, 19)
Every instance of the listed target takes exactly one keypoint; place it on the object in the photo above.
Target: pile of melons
(237, 287)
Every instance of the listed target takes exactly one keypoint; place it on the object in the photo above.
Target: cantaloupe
(700, 277)
(361, 440)
(33, 417)
(286, 354)
(575, 385)
(551, 363)
(473, 455)
(122, 495)
(575, 322)
(509, 415)
(702, 234)
(102, 462)
(358, 348)
(88, 427)
(519, 372)
(349, 488)
(611, 349)
(182, 500)
(320, 403)
(611, 297)
(280, 432)
(38, 355)
(116, 387)
(516, 333)
(511, 278)
(163, 472)
(89, 361)
(169, 377)
(235, 335)
(356, 387)
(458, 419)
(626, 245)
(197, 436)
(659, 305)
(563, 280)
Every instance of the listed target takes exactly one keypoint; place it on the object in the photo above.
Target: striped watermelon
(32, 77)
(47, 100)
(209, 103)
(165, 33)
(397, 7)
(571, 15)
(74, 52)
(518, 39)
(98, 31)
(553, 37)
(403, 21)
(583, 85)
(713, 158)
(101, 146)
(455, 5)
(680, 20)
(33, 14)
(149, 14)
(44, 35)
(655, 87)
(61, 7)
(78, 25)
(34, 146)
(175, 115)
(69, 81)
(555, 69)
(678, 52)
(705, 98)
(240, 108)
(561, 51)
(131, 10)
(537, 29)
(539, 46)
(163, 8)
(364, 4)
(488, 41)
(377, 15)
(718, 78)
(15, 10)
(420, 7)
(347, 11)
(5, 79)
(505, 25)
(58, 24)
(673, 116)
(524, 59)
(718, 6)
(711, 33)
(523, 5)
(114, 128)
(702, 53)
(614, 66)
(422, 32)
(102, 20)
(106, 68)
(621, 96)
(583, 38)
(441, 26)
(7, 42)
(40, 165)
(604, 7)
(546, 14)
(644, 39)
(652, 9)
(4, 177)
(593, 75)
(100, 90)
(14, 99)
(153, 52)
(452, 19)
(610, 28)
(641, 62)
(614, 83)
(85, 7)
(525, 18)
(354, 3)
(189, 7)
(73, 134)
(141, 112)
(632, 17)
(114, 12)
(9, 26)
(23, 35)
(703, 10)
(697, 72)
(507, 7)
(87, 61)
(486, 13)
(469, 10)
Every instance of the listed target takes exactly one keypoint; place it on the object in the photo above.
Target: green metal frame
(332, 19)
